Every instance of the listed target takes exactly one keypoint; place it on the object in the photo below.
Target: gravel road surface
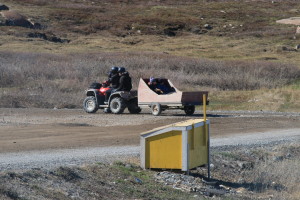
(68, 157)
(46, 138)
(258, 138)
(65, 157)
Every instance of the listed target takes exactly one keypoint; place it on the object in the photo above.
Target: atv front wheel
(117, 105)
(90, 104)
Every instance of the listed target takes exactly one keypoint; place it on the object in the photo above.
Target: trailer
(175, 99)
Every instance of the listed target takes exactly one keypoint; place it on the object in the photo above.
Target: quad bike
(117, 102)
(144, 97)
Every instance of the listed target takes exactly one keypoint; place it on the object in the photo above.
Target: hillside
(85, 38)
(211, 29)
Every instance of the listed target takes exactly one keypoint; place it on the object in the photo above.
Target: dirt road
(44, 129)
(80, 156)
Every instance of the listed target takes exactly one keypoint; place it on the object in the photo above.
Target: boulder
(284, 48)
(292, 20)
(298, 30)
(48, 37)
(170, 32)
(37, 26)
(241, 190)
(208, 26)
(2, 21)
(13, 18)
(3, 7)
(197, 30)
(172, 29)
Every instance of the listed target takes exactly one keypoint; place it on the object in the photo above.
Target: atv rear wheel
(90, 104)
(117, 105)
(189, 110)
(134, 110)
(156, 109)
(133, 107)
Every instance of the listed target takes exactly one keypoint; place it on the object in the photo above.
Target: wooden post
(208, 139)
(204, 107)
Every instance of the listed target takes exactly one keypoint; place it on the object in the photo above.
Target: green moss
(296, 85)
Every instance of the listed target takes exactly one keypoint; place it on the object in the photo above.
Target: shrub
(282, 177)
(49, 80)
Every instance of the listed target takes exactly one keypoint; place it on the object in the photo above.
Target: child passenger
(158, 86)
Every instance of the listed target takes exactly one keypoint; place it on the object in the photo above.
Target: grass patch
(285, 99)
(229, 155)
(67, 174)
(296, 85)
(101, 181)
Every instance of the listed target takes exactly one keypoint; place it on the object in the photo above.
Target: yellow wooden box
(182, 145)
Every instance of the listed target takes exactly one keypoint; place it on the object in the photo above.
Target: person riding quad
(113, 77)
(163, 87)
(125, 83)
(113, 80)
(159, 86)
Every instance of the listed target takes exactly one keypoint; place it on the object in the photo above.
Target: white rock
(298, 30)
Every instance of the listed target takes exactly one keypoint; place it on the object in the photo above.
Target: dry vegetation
(237, 29)
(47, 80)
(99, 181)
(124, 18)
(269, 172)
(272, 172)
(194, 41)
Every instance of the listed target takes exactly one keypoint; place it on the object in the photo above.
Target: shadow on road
(207, 115)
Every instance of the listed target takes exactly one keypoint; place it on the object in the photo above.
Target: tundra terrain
(51, 149)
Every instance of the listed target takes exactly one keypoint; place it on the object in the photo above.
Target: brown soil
(37, 129)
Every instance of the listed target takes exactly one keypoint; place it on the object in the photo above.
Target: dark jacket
(125, 82)
(114, 80)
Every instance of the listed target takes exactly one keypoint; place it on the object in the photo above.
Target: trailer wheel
(189, 110)
(90, 104)
(156, 109)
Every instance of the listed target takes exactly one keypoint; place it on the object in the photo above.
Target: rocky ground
(237, 172)
(253, 156)
(241, 172)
